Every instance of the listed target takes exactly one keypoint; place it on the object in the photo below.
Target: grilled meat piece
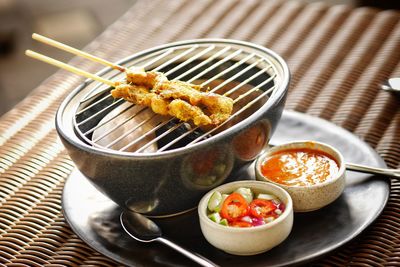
(219, 107)
(149, 79)
(142, 96)
(185, 112)
(133, 93)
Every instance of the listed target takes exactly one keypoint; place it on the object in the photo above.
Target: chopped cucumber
(215, 217)
(246, 193)
(266, 196)
(224, 222)
(215, 202)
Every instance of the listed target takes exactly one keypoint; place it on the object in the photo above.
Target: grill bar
(227, 70)
(90, 106)
(181, 55)
(114, 128)
(226, 59)
(130, 132)
(233, 77)
(190, 60)
(147, 134)
(205, 62)
(234, 89)
(156, 59)
(158, 138)
(103, 123)
(101, 111)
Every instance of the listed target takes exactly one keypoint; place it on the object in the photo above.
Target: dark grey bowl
(173, 181)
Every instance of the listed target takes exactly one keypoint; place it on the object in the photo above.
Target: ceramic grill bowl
(157, 165)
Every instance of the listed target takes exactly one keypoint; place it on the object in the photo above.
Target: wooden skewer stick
(75, 51)
(67, 67)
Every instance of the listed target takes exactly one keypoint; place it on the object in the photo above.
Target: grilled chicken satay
(177, 108)
(220, 107)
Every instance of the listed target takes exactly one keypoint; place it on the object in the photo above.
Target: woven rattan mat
(338, 56)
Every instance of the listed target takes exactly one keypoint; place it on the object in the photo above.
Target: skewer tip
(28, 52)
(38, 37)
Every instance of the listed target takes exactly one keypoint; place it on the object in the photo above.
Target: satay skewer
(218, 108)
(67, 67)
(75, 51)
(177, 108)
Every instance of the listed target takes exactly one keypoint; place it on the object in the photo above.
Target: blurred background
(73, 22)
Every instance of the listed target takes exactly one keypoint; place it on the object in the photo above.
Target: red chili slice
(261, 208)
(234, 207)
(240, 224)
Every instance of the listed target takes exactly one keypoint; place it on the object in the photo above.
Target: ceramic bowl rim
(300, 144)
(203, 204)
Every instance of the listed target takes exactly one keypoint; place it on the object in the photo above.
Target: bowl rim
(75, 141)
(302, 144)
(202, 207)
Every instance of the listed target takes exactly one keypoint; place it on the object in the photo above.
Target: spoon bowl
(140, 227)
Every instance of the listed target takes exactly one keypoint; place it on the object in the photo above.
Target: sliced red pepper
(261, 208)
(240, 224)
(234, 207)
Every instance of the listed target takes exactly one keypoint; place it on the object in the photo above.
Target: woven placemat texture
(338, 56)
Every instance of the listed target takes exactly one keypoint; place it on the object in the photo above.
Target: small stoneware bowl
(249, 240)
(308, 197)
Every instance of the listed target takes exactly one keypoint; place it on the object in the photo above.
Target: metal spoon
(143, 229)
(392, 84)
(373, 170)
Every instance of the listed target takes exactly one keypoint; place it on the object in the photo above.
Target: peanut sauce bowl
(312, 184)
(157, 165)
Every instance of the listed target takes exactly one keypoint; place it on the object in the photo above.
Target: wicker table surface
(338, 56)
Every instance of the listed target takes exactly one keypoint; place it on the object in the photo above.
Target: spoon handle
(194, 256)
(373, 170)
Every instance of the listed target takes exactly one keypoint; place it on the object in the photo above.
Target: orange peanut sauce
(299, 167)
